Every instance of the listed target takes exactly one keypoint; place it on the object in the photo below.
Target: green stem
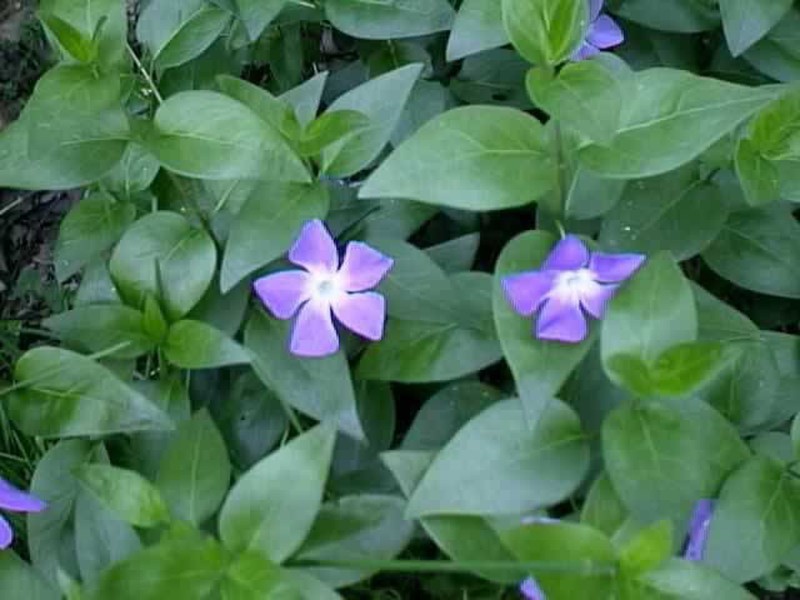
(445, 566)
(150, 83)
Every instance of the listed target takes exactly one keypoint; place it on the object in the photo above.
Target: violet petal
(698, 530)
(315, 249)
(18, 501)
(364, 313)
(313, 334)
(6, 534)
(569, 254)
(530, 590)
(526, 291)
(585, 51)
(283, 293)
(363, 267)
(605, 33)
(561, 320)
(614, 268)
(595, 297)
(595, 6)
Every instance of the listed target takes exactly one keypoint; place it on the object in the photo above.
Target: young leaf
(379, 21)
(273, 111)
(545, 32)
(78, 45)
(330, 128)
(648, 549)
(758, 176)
(195, 345)
(306, 97)
(272, 507)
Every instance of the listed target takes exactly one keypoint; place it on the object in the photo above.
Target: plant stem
(150, 83)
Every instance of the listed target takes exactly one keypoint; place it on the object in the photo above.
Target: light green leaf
(306, 97)
(78, 45)
(545, 32)
(257, 14)
(134, 173)
(649, 548)
(272, 507)
(273, 111)
(603, 508)
(746, 22)
(18, 579)
(758, 176)
(478, 26)
(473, 158)
(330, 128)
(196, 345)
(370, 20)
(685, 580)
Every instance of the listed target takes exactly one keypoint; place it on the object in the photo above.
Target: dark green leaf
(195, 345)
(747, 22)
(478, 26)
(386, 20)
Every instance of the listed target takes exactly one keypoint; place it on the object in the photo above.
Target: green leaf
(134, 173)
(747, 22)
(590, 195)
(257, 14)
(685, 367)
(273, 111)
(647, 550)
(18, 579)
(456, 255)
(272, 507)
(651, 313)
(603, 508)
(545, 32)
(321, 388)
(306, 98)
(77, 44)
(176, 31)
(355, 528)
(186, 567)
(154, 323)
(163, 255)
(195, 345)
(101, 326)
(194, 473)
(682, 16)
(266, 226)
(670, 118)
(759, 249)
(538, 366)
(535, 464)
(387, 20)
(495, 77)
(756, 521)
(663, 456)
(66, 394)
(566, 542)
(421, 351)
(207, 135)
(90, 228)
(128, 494)
(776, 54)
(685, 580)
(585, 96)
(473, 158)
(478, 26)
(382, 101)
(330, 128)
(679, 212)
(758, 176)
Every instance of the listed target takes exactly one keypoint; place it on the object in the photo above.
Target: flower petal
(315, 249)
(18, 501)
(561, 320)
(585, 51)
(313, 334)
(530, 590)
(614, 268)
(595, 6)
(283, 293)
(363, 267)
(364, 314)
(595, 297)
(6, 534)
(698, 530)
(568, 254)
(605, 33)
(526, 291)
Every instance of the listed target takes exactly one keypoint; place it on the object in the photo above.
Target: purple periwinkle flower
(324, 287)
(14, 500)
(570, 281)
(698, 530)
(530, 590)
(603, 33)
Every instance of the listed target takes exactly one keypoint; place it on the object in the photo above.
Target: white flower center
(326, 287)
(574, 284)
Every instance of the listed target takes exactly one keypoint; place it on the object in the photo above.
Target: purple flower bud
(572, 280)
(603, 33)
(14, 500)
(698, 530)
(324, 289)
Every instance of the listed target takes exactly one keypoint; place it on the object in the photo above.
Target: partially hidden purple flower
(571, 280)
(698, 530)
(603, 33)
(324, 288)
(14, 500)
(531, 591)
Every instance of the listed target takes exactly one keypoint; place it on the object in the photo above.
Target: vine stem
(150, 83)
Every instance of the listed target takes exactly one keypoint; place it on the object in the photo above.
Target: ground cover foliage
(560, 244)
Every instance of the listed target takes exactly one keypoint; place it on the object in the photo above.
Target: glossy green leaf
(257, 14)
(205, 134)
(273, 111)
(534, 463)
(759, 249)
(163, 255)
(66, 394)
(758, 176)
(329, 129)
(647, 549)
(682, 16)
(128, 494)
(495, 77)
(101, 326)
(382, 101)
(778, 53)
(272, 507)
(746, 22)
(683, 368)
(603, 508)
(545, 32)
(478, 26)
(663, 456)
(266, 226)
(473, 158)
(306, 97)
(195, 345)
(194, 473)
(756, 521)
(134, 173)
(78, 45)
(685, 580)
(18, 579)
(386, 20)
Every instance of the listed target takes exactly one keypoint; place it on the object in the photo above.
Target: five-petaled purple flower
(698, 530)
(570, 281)
(603, 33)
(15, 500)
(324, 287)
